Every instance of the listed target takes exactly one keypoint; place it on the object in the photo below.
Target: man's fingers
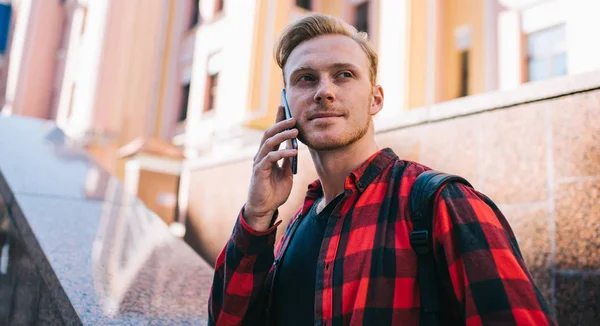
(273, 157)
(287, 165)
(277, 128)
(272, 143)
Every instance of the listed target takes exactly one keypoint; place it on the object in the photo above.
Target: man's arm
(237, 294)
(476, 246)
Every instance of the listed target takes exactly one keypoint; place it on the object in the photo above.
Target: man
(345, 258)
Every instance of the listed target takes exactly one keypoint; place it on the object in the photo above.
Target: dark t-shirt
(294, 291)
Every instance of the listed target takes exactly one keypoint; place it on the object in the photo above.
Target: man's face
(330, 93)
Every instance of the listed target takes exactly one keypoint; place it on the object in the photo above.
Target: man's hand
(271, 184)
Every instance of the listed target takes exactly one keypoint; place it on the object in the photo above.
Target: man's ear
(377, 103)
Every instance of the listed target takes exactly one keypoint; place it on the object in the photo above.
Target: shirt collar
(368, 171)
(359, 179)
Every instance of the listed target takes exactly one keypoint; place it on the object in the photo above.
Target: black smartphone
(292, 143)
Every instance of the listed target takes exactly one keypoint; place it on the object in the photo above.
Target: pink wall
(136, 81)
(35, 73)
(181, 50)
(131, 88)
(139, 73)
(112, 88)
(61, 59)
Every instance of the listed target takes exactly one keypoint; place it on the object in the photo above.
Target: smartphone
(292, 143)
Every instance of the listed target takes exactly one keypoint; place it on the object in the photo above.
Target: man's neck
(334, 166)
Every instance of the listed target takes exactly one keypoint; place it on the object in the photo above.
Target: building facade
(201, 74)
(106, 71)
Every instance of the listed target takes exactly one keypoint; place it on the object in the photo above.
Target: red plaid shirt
(366, 272)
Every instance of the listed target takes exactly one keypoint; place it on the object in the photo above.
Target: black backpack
(421, 213)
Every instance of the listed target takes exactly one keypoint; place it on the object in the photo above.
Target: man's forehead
(326, 50)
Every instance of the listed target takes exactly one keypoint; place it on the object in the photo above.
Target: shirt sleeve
(237, 295)
(476, 247)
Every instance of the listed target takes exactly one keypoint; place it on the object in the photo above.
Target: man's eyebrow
(344, 65)
(337, 65)
(300, 69)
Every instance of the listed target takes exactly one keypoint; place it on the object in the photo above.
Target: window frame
(310, 5)
(364, 4)
(547, 57)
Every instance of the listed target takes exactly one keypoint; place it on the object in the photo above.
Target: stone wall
(535, 151)
(77, 249)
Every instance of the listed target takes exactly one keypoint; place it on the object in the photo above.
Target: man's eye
(305, 78)
(345, 74)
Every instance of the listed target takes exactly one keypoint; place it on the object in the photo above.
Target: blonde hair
(315, 25)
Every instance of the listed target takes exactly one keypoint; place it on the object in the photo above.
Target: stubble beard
(347, 139)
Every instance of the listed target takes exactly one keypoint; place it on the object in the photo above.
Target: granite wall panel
(513, 155)
(452, 146)
(568, 292)
(576, 135)
(24, 298)
(591, 297)
(578, 297)
(405, 142)
(578, 225)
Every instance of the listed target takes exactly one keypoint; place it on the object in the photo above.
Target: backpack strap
(421, 205)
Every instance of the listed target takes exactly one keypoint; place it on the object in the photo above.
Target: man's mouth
(324, 115)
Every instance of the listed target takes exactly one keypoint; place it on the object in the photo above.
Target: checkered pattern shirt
(366, 270)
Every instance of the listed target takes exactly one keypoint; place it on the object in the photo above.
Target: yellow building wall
(282, 9)
(456, 13)
(282, 19)
(257, 55)
(417, 53)
(332, 7)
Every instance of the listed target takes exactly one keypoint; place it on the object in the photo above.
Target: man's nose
(325, 91)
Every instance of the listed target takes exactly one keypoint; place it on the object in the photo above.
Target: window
(5, 16)
(464, 73)
(183, 107)
(306, 4)
(361, 17)
(219, 6)
(212, 84)
(195, 13)
(84, 13)
(546, 53)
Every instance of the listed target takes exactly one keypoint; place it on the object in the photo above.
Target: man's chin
(326, 144)
(331, 139)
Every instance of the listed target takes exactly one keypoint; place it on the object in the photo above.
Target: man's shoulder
(408, 170)
(413, 167)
